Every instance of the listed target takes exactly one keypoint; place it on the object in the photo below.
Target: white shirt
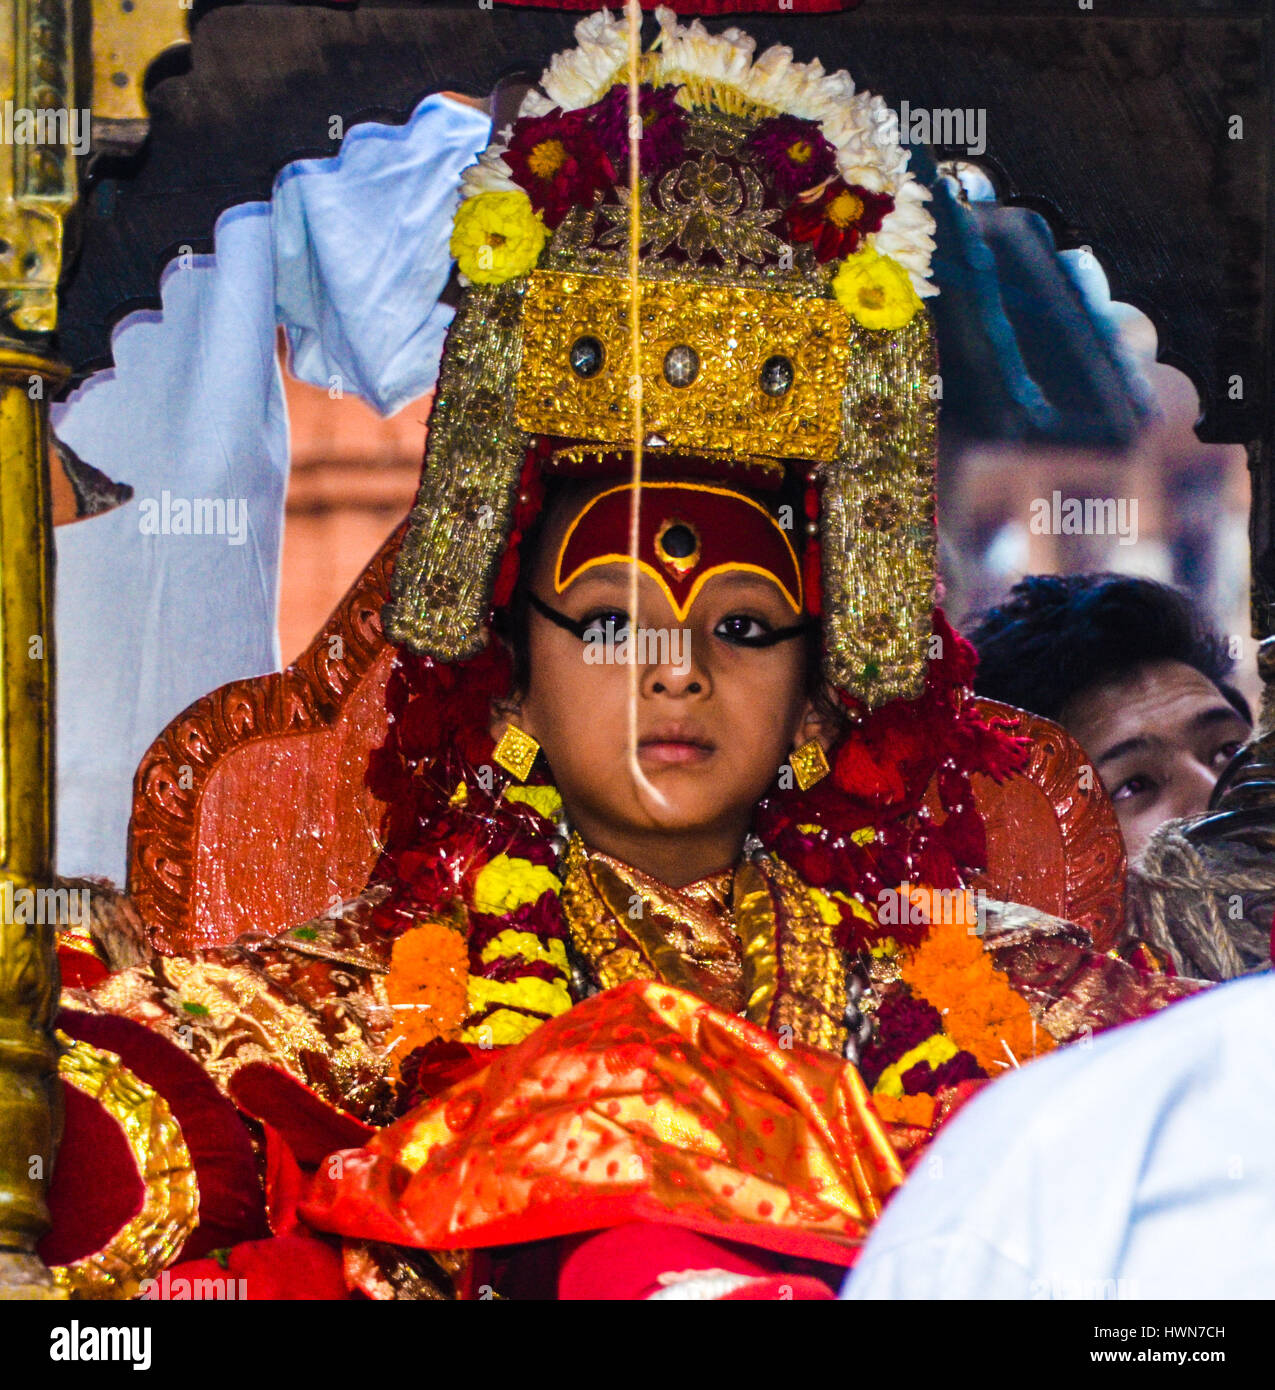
(1140, 1164)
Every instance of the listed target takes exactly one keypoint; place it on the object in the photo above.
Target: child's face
(715, 718)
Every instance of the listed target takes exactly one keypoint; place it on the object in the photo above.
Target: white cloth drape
(175, 593)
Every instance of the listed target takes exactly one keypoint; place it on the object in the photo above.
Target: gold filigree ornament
(751, 353)
(516, 752)
(732, 332)
(809, 764)
(147, 1243)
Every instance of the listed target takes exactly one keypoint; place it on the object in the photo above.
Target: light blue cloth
(361, 253)
(350, 256)
(1140, 1165)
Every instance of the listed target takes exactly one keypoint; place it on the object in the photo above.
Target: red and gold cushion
(154, 1162)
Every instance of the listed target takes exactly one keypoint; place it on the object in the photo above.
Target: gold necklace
(770, 955)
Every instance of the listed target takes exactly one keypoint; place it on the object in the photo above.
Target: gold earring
(516, 752)
(809, 764)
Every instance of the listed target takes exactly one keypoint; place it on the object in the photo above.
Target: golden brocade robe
(699, 1078)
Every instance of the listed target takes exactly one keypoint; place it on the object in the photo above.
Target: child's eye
(741, 629)
(605, 620)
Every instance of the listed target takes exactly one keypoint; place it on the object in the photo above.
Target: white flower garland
(859, 126)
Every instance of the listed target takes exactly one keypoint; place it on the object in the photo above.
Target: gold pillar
(29, 1113)
(37, 188)
(45, 125)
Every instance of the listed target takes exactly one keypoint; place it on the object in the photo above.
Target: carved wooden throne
(251, 809)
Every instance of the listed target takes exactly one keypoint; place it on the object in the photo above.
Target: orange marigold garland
(982, 1013)
(867, 828)
(427, 986)
(478, 936)
(906, 1110)
(857, 833)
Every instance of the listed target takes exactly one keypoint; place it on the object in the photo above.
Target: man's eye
(741, 629)
(1133, 786)
(604, 620)
(1227, 751)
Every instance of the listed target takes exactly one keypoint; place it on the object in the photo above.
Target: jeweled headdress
(784, 259)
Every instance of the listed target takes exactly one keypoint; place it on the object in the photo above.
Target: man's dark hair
(1057, 635)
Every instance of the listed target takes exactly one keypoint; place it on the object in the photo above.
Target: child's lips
(675, 749)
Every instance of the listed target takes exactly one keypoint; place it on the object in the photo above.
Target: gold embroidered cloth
(311, 1001)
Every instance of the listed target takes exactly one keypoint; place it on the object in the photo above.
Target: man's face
(1159, 737)
(715, 719)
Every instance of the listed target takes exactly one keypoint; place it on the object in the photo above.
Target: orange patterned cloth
(642, 1104)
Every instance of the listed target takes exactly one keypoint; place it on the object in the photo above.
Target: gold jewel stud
(516, 752)
(809, 764)
(677, 546)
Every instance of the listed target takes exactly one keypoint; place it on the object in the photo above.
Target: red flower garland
(796, 152)
(838, 218)
(559, 162)
(663, 125)
(882, 770)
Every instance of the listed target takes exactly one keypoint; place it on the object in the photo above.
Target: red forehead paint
(688, 532)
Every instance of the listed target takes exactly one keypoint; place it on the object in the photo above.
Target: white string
(633, 16)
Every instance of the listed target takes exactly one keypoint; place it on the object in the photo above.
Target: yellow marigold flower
(504, 884)
(886, 948)
(856, 907)
(935, 1050)
(504, 1028)
(811, 829)
(526, 946)
(828, 910)
(542, 996)
(497, 236)
(865, 836)
(546, 800)
(875, 290)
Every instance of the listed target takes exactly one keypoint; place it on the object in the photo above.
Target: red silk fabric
(641, 1104)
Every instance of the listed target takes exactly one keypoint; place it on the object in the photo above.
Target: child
(670, 934)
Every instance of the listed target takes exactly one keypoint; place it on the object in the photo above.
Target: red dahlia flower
(837, 218)
(558, 161)
(663, 123)
(795, 151)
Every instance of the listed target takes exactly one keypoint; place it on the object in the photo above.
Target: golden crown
(784, 263)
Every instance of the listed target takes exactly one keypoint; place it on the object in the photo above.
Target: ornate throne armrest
(251, 810)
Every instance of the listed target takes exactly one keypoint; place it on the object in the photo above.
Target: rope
(1207, 907)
